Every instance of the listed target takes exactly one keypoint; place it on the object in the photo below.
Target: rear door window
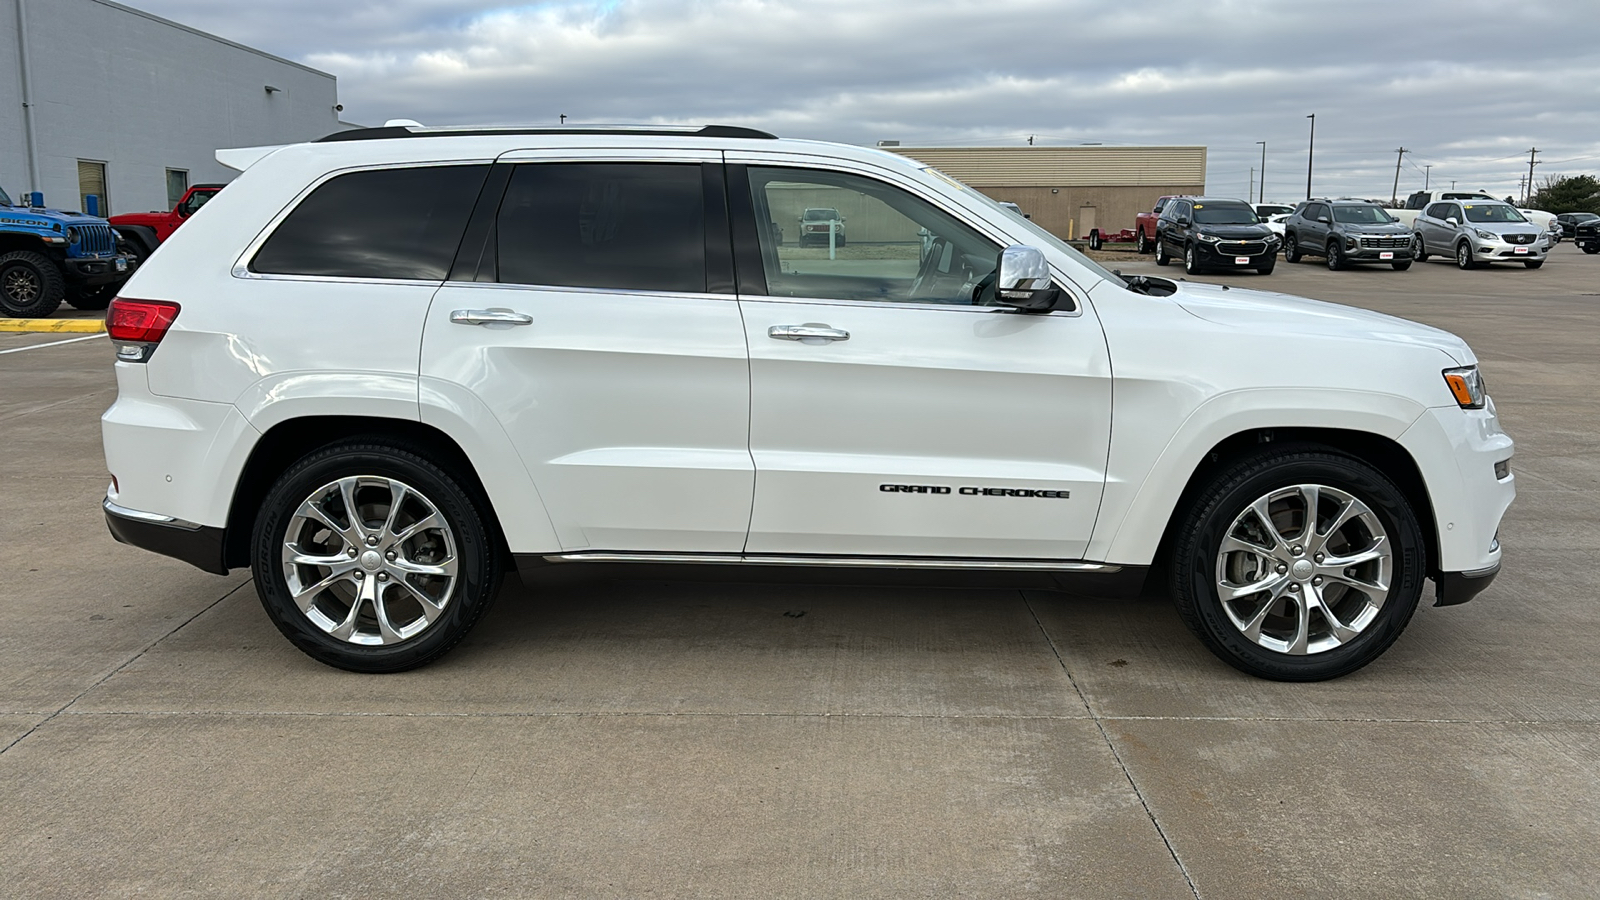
(618, 226)
(385, 223)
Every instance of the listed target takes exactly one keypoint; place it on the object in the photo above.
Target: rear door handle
(810, 330)
(496, 316)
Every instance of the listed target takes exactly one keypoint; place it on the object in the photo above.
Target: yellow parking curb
(53, 326)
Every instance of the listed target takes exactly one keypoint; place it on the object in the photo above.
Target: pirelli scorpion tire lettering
(371, 558)
(1298, 564)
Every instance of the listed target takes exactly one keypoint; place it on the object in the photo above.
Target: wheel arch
(289, 440)
(1382, 453)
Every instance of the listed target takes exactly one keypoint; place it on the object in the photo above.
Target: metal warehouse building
(1070, 190)
(99, 98)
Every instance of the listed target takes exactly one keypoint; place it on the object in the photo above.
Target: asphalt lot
(686, 740)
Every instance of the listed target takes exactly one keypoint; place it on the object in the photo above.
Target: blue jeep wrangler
(47, 255)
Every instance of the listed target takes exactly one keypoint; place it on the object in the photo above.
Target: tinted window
(386, 223)
(623, 226)
(887, 245)
(1478, 212)
(1360, 215)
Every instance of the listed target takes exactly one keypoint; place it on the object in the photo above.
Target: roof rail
(407, 131)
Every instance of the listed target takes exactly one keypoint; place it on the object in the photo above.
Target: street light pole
(1311, 152)
(1263, 196)
(1426, 172)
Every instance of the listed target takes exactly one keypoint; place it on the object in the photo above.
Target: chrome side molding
(878, 562)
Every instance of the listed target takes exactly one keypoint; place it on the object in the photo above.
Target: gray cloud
(1465, 88)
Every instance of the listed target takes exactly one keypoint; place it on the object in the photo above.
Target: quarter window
(385, 223)
(837, 236)
(622, 226)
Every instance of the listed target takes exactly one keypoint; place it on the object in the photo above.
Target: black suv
(1587, 236)
(1346, 231)
(1212, 232)
(1570, 222)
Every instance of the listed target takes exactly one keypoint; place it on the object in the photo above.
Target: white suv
(387, 366)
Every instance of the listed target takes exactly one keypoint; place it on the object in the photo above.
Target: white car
(1273, 215)
(388, 366)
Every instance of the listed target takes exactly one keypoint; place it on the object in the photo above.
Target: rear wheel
(1298, 564)
(1142, 243)
(1291, 249)
(30, 285)
(1162, 258)
(370, 557)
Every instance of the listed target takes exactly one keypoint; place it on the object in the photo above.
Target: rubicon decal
(974, 491)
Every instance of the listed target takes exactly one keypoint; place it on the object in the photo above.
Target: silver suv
(1344, 232)
(1479, 232)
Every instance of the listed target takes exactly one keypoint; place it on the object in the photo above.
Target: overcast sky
(1468, 86)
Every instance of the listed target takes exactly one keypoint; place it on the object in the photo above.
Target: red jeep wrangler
(143, 232)
(1145, 224)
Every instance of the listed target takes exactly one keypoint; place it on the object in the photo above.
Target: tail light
(137, 326)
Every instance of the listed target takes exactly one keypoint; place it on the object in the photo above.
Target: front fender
(1142, 493)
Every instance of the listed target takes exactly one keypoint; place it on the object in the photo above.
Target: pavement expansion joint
(123, 665)
(1099, 723)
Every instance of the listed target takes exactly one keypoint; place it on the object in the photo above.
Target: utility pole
(1532, 161)
(563, 118)
(1427, 170)
(1252, 189)
(1394, 195)
(1263, 197)
(1311, 152)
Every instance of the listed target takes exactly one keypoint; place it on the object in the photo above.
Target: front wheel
(1191, 260)
(1464, 258)
(1335, 256)
(372, 558)
(1534, 263)
(93, 298)
(1401, 266)
(1298, 564)
(1267, 269)
(1291, 249)
(30, 285)
(1419, 250)
(1591, 248)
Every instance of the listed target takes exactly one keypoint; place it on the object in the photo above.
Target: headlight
(72, 235)
(1487, 235)
(1209, 238)
(1467, 386)
(1274, 239)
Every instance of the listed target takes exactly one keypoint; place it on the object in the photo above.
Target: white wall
(142, 94)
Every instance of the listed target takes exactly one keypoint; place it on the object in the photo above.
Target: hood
(1386, 228)
(44, 219)
(1284, 313)
(1235, 232)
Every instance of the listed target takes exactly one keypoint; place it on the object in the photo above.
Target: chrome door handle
(490, 317)
(809, 330)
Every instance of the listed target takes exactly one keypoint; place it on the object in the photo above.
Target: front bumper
(1360, 254)
(1210, 255)
(92, 271)
(198, 545)
(1452, 588)
(1505, 251)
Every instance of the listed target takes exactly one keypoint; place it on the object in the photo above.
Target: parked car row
(49, 255)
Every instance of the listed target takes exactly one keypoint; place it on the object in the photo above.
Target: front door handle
(496, 316)
(810, 330)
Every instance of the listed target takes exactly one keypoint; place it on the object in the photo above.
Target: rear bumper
(198, 545)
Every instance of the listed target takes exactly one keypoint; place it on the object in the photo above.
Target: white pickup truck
(1421, 200)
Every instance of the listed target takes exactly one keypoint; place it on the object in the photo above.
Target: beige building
(1070, 190)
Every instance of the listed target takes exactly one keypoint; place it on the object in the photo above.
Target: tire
(1464, 258)
(93, 298)
(1162, 259)
(1591, 248)
(1419, 249)
(1191, 260)
(1534, 263)
(30, 285)
(1275, 632)
(1267, 269)
(1336, 259)
(1142, 242)
(1291, 249)
(358, 614)
(1401, 266)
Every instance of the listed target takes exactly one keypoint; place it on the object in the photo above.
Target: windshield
(1478, 212)
(5, 198)
(1224, 214)
(820, 215)
(1041, 238)
(1360, 215)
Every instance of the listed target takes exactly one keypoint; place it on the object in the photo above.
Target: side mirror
(1182, 220)
(1022, 280)
(1324, 220)
(1451, 221)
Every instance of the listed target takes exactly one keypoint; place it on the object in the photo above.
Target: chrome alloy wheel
(1304, 569)
(369, 560)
